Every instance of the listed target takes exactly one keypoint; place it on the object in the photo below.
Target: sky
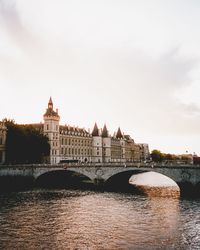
(128, 63)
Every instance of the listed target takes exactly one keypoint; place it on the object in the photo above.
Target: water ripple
(44, 219)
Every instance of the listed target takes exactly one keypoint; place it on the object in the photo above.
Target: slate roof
(105, 131)
(51, 112)
(72, 129)
(119, 134)
(95, 131)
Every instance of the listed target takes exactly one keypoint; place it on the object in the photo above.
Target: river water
(74, 219)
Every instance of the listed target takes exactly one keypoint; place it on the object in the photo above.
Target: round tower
(120, 137)
(106, 145)
(97, 144)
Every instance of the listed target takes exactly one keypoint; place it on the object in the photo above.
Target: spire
(95, 131)
(50, 104)
(119, 134)
(50, 111)
(105, 131)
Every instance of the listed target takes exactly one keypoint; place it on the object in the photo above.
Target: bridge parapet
(99, 171)
(94, 165)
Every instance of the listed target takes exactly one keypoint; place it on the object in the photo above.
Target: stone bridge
(99, 173)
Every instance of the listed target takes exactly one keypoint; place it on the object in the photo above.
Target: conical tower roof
(119, 134)
(105, 131)
(95, 131)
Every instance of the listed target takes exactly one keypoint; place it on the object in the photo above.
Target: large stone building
(73, 144)
(69, 143)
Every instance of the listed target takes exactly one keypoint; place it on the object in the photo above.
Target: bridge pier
(98, 182)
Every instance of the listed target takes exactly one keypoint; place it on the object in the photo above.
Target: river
(75, 219)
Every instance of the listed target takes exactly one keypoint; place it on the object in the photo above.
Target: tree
(25, 144)
(157, 155)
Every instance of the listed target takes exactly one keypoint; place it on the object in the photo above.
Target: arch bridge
(100, 173)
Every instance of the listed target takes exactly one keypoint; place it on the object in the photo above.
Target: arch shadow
(66, 179)
(120, 182)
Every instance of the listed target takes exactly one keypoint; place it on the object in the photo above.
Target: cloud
(97, 66)
(20, 35)
(144, 88)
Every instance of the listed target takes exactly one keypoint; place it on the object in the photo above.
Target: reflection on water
(90, 220)
(155, 184)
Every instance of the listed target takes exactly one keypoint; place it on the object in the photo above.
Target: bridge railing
(127, 164)
(109, 164)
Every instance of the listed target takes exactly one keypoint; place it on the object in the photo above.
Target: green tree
(157, 155)
(25, 144)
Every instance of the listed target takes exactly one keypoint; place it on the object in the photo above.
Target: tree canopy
(25, 144)
(158, 156)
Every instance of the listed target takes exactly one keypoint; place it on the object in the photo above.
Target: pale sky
(128, 63)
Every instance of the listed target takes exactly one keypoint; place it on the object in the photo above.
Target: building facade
(73, 144)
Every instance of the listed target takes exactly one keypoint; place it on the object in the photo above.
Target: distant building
(185, 159)
(144, 149)
(196, 160)
(2, 143)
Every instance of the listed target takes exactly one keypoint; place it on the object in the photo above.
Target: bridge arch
(62, 178)
(121, 180)
(126, 172)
